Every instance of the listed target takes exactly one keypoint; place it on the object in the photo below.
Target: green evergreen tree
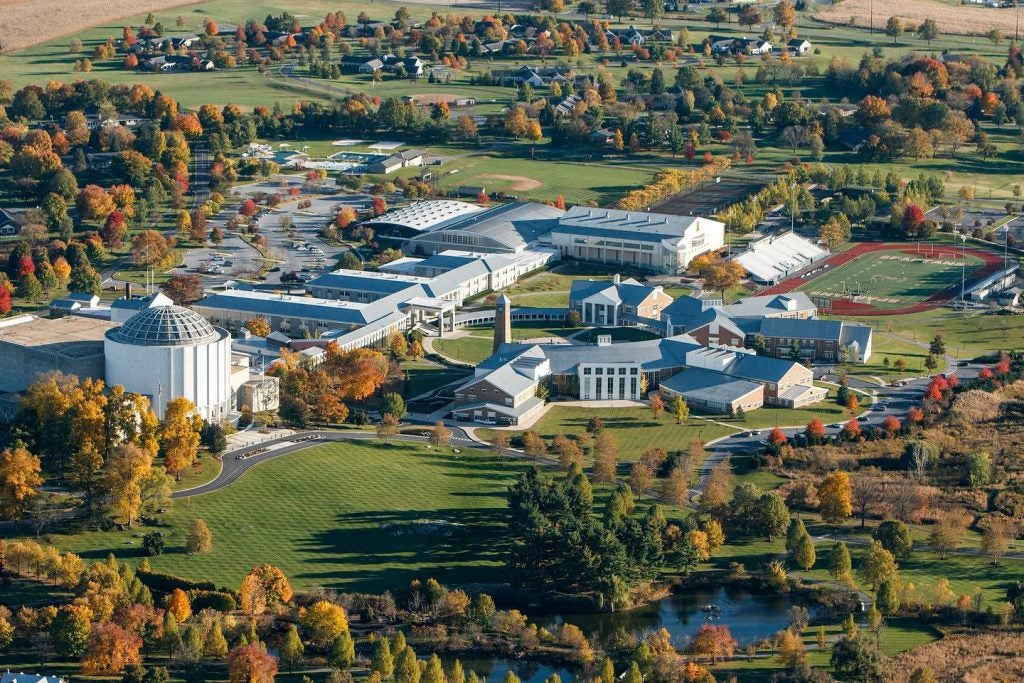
(343, 651)
(382, 662)
(292, 649)
(407, 669)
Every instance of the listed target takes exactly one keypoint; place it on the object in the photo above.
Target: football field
(893, 278)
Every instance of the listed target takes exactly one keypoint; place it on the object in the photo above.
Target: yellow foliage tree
(178, 604)
(19, 481)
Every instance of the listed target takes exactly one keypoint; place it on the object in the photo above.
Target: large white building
(167, 352)
(650, 241)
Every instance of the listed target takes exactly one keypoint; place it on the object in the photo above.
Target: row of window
(611, 371)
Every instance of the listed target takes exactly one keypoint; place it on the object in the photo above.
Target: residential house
(9, 225)
(799, 47)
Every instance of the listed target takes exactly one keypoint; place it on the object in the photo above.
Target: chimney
(128, 291)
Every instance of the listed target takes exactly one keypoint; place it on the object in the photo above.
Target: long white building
(657, 242)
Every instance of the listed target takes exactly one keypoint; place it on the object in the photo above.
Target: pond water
(749, 617)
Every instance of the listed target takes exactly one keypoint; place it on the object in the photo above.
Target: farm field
(891, 279)
(954, 18)
(359, 516)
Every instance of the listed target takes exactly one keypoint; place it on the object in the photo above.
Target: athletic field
(893, 278)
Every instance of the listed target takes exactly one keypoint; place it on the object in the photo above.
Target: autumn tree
(259, 327)
(877, 565)
(70, 630)
(179, 441)
(680, 409)
(262, 586)
(836, 497)
(606, 457)
(94, 203)
(713, 642)
(946, 534)
(179, 605)
(111, 648)
(19, 480)
(440, 435)
(200, 538)
(125, 472)
(995, 540)
(657, 405)
(251, 664)
(323, 622)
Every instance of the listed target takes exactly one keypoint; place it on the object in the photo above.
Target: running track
(992, 263)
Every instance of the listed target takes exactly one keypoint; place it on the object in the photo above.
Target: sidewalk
(252, 437)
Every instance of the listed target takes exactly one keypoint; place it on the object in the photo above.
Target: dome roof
(165, 326)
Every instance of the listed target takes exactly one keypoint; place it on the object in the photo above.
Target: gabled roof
(759, 368)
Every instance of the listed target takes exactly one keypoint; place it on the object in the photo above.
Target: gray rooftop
(165, 326)
(709, 386)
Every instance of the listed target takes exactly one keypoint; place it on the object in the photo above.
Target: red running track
(992, 263)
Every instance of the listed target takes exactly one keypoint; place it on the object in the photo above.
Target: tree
(723, 276)
(877, 565)
(94, 203)
(791, 649)
(895, 537)
(343, 651)
(894, 28)
(888, 598)
(680, 410)
(440, 435)
(923, 675)
(945, 535)
(125, 471)
(836, 496)
(29, 288)
(995, 539)
(979, 469)
(61, 268)
(676, 489)
(802, 552)
(937, 346)
(748, 16)
(291, 649)
(784, 14)
(19, 480)
(772, 515)
(928, 30)
(85, 279)
(179, 441)
(387, 427)
(407, 669)
(70, 630)
(857, 659)
(606, 457)
(713, 643)
(657, 405)
(200, 538)
(178, 604)
(840, 566)
(381, 661)
(716, 16)
(251, 664)
(394, 404)
(110, 649)
(323, 622)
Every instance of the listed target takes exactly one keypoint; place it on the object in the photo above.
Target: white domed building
(168, 352)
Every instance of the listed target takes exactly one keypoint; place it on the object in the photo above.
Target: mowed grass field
(892, 278)
(967, 333)
(635, 429)
(358, 516)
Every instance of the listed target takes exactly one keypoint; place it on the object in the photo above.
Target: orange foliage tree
(111, 649)
(251, 664)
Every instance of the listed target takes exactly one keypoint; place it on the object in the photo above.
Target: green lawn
(476, 347)
(422, 377)
(885, 347)
(827, 411)
(635, 429)
(358, 516)
(206, 468)
(891, 278)
(967, 333)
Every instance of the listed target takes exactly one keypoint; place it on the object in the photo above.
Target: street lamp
(963, 266)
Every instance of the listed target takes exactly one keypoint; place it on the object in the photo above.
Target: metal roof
(165, 326)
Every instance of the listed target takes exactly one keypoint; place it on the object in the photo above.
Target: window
(598, 371)
(622, 371)
(586, 371)
(633, 371)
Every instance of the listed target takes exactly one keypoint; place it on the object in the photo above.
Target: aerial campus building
(160, 351)
(659, 243)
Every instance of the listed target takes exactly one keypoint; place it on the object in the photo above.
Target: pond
(749, 617)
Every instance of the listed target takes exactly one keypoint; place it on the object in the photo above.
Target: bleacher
(773, 258)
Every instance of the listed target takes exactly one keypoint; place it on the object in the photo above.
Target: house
(412, 157)
(617, 303)
(568, 105)
(9, 225)
(853, 138)
(413, 65)
(72, 303)
(635, 36)
(744, 45)
(385, 166)
(603, 136)
(362, 65)
(535, 77)
(798, 47)
(9, 677)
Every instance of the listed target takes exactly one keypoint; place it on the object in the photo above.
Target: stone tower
(502, 322)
